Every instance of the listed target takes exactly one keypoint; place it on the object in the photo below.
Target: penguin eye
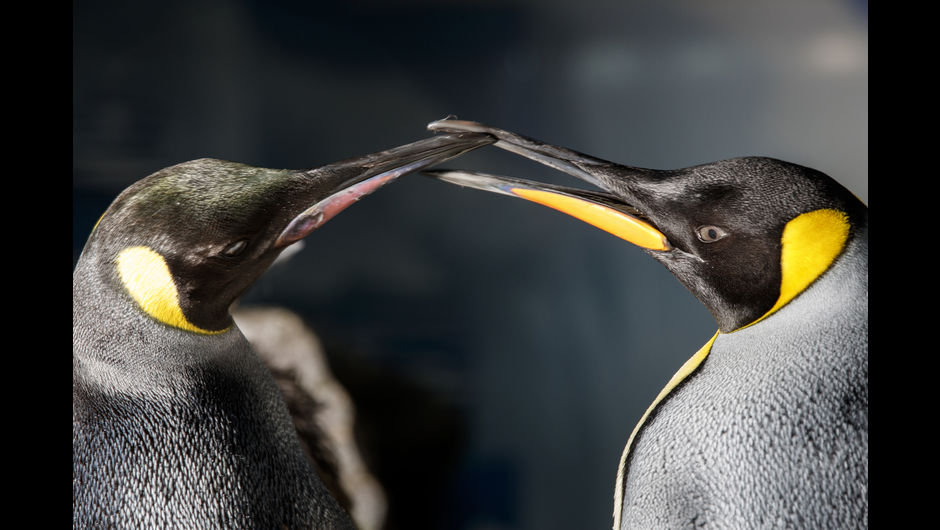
(235, 248)
(710, 233)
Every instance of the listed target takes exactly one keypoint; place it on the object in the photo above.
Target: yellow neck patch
(684, 371)
(98, 222)
(810, 243)
(147, 279)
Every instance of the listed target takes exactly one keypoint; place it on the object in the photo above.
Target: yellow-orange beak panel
(607, 219)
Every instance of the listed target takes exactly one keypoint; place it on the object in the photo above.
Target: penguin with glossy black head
(767, 424)
(176, 423)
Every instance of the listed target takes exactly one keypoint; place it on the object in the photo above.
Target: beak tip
(453, 125)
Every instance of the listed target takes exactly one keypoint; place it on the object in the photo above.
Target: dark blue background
(500, 353)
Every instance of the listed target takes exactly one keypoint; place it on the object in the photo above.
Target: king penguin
(176, 422)
(766, 426)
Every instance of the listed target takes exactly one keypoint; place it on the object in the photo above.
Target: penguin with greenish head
(766, 426)
(176, 423)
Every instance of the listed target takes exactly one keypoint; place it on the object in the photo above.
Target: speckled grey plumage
(772, 430)
(173, 429)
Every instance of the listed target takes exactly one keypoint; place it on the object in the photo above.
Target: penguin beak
(352, 179)
(604, 210)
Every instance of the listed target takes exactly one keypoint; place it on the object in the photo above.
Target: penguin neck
(146, 277)
(128, 339)
(814, 246)
(834, 305)
(810, 244)
(730, 309)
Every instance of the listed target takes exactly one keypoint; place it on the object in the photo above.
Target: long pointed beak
(560, 158)
(601, 209)
(349, 180)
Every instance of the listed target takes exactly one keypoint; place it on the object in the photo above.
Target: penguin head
(185, 242)
(744, 235)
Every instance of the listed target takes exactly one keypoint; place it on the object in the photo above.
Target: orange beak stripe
(607, 219)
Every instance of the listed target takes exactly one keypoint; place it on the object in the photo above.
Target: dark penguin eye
(235, 248)
(710, 233)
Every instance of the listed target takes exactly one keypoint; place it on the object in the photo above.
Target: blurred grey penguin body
(775, 416)
(176, 422)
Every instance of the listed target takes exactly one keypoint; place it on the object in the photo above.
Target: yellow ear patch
(147, 279)
(810, 243)
(607, 219)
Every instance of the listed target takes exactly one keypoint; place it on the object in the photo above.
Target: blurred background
(498, 353)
